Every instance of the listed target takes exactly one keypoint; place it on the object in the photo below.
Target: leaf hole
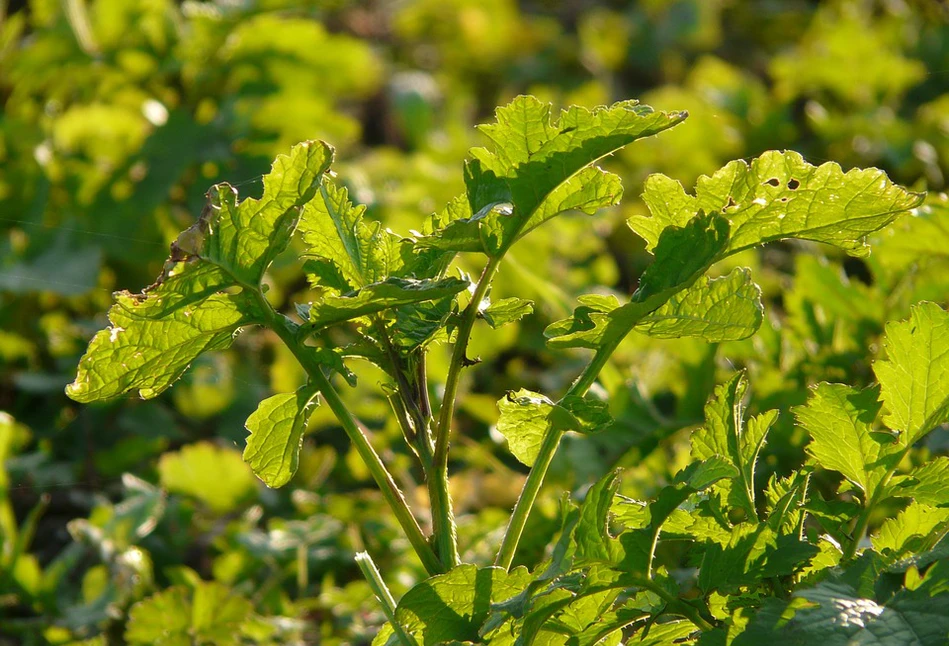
(784, 199)
(731, 203)
(773, 182)
(793, 184)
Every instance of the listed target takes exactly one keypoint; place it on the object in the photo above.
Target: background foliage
(117, 117)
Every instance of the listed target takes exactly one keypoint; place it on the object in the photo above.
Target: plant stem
(442, 517)
(864, 519)
(379, 588)
(285, 329)
(548, 447)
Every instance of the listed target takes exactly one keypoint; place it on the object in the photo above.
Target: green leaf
(526, 416)
(682, 254)
(726, 435)
(276, 434)
(155, 335)
(779, 195)
(344, 251)
(523, 422)
(209, 613)
(419, 323)
(927, 484)
(914, 530)
(831, 614)
(681, 257)
(153, 338)
(541, 169)
(454, 605)
(639, 544)
(216, 476)
(243, 239)
(506, 310)
(672, 632)
(755, 552)
(914, 378)
(722, 309)
(592, 536)
(376, 297)
(839, 420)
(784, 499)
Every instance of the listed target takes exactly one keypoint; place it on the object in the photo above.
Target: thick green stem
(548, 447)
(442, 516)
(381, 590)
(285, 329)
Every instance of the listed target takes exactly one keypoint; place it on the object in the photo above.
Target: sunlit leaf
(914, 378)
(839, 420)
(276, 433)
(779, 195)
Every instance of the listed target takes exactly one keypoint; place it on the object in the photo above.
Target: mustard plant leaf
(914, 378)
(537, 169)
(780, 195)
(718, 309)
(154, 337)
(839, 420)
(914, 530)
(244, 238)
(525, 417)
(506, 310)
(276, 434)
(681, 257)
(377, 297)
(927, 484)
(344, 250)
(727, 435)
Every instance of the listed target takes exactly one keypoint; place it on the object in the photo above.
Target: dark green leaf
(377, 297)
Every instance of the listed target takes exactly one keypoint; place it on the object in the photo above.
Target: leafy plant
(779, 562)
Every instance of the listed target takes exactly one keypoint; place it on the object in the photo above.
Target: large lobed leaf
(776, 196)
(204, 296)
(538, 169)
(779, 195)
(153, 339)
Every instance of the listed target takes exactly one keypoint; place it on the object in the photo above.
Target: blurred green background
(118, 115)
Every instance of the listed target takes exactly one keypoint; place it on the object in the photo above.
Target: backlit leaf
(541, 169)
(779, 195)
(276, 433)
(722, 309)
(914, 378)
(839, 420)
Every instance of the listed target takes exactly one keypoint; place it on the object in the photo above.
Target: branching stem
(442, 515)
(545, 455)
(286, 330)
